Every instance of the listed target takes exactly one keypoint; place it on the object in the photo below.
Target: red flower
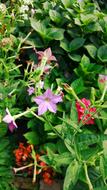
(85, 114)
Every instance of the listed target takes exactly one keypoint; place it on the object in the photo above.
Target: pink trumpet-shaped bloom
(47, 54)
(9, 120)
(47, 101)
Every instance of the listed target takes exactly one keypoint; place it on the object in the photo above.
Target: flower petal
(12, 126)
(56, 98)
(52, 107)
(39, 99)
(8, 119)
(48, 93)
(43, 107)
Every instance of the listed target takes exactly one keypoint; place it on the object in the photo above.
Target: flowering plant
(53, 93)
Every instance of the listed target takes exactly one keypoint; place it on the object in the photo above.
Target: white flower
(24, 8)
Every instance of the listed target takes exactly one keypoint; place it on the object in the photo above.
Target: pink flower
(84, 114)
(47, 101)
(30, 90)
(47, 54)
(9, 120)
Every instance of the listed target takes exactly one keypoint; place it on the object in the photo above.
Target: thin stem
(70, 90)
(87, 177)
(103, 94)
(35, 164)
(24, 113)
(22, 168)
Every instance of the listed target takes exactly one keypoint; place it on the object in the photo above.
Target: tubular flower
(47, 101)
(85, 114)
(9, 119)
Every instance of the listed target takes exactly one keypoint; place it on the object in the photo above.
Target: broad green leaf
(76, 44)
(63, 159)
(39, 27)
(67, 3)
(92, 50)
(102, 53)
(103, 167)
(72, 175)
(65, 45)
(78, 85)
(55, 33)
(55, 16)
(32, 138)
(75, 57)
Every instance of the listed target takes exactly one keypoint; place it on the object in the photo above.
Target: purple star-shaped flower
(47, 101)
(9, 120)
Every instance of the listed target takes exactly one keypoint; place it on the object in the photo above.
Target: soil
(26, 184)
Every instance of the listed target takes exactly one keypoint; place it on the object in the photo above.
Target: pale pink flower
(47, 101)
(8, 118)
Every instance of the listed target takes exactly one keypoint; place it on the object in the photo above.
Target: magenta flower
(47, 101)
(30, 90)
(9, 120)
(47, 54)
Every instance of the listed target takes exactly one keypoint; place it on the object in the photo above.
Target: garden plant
(53, 93)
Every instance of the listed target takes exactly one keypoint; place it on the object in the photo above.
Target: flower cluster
(85, 113)
(24, 160)
(22, 154)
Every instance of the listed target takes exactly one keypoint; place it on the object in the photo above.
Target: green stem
(103, 94)
(70, 90)
(87, 177)
(24, 113)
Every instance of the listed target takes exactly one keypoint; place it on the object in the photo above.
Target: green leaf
(92, 50)
(76, 44)
(55, 33)
(101, 188)
(65, 45)
(55, 16)
(39, 27)
(75, 57)
(102, 53)
(78, 85)
(72, 175)
(32, 138)
(73, 114)
(67, 3)
(103, 167)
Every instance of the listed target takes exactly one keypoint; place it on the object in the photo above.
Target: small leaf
(75, 57)
(92, 50)
(32, 138)
(76, 44)
(102, 53)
